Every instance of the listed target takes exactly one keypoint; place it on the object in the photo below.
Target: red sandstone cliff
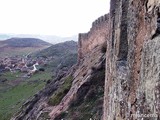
(132, 67)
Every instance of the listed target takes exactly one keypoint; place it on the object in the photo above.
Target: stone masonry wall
(95, 37)
(132, 85)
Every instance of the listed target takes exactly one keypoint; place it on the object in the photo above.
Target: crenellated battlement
(95, 25)
(100, 20)
(95, 37)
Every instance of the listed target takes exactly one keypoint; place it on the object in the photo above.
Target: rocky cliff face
(132, 68)
(88, 76)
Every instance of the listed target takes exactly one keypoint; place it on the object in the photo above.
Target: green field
(12, 95)
(10, 76)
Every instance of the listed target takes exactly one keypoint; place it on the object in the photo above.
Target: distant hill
(48, 38)
(21, 46)
(24, 42)
(60, 49)
(64, 55)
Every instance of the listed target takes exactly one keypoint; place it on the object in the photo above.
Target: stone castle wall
(95, 37)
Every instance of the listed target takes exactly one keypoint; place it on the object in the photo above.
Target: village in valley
(25, 65)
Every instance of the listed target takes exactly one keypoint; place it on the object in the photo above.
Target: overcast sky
(50, 17)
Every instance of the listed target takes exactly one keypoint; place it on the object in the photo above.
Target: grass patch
(41, 76)
(12, 99)
(10, 76)
(61, 92)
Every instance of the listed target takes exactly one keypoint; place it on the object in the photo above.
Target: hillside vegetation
(64, 55)
(21, 46)
(61, 49)
(15, 89)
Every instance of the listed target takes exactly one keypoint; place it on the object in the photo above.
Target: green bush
(61, 92)
(61, 116)
(88, 104)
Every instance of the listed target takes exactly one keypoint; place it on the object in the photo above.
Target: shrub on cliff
(61, 92)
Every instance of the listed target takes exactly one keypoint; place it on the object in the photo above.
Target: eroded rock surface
(132, 65)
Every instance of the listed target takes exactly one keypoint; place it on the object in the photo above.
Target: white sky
(50, 17)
